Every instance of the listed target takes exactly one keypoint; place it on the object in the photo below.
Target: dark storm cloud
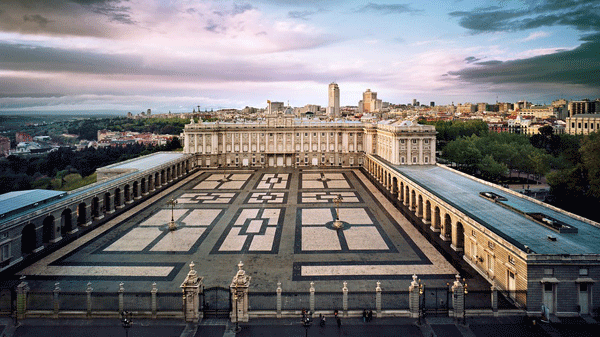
(471, 59)
(40, 20)
(578, 66)
(302, 15)
(579, 14)
(388, 8)
(43, 59)
(50, 16)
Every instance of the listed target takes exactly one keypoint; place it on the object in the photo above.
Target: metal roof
(147, 162)
(463, 193)
(19, 200)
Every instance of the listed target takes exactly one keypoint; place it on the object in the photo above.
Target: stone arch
(143, 184)
(163, 177)
(413, 200)
(168, 174)
(401, 192)
(458, 237)
(156, 179)
(437, 219)
(117, 197)
(136, 193)
(394, 185)
(95, 207)
(107, 204)
(28, 239)
(407, 197)
(66, 222)
(81, 214)
(447, 228)
(420, 206)
(48, 229)
(427, 219)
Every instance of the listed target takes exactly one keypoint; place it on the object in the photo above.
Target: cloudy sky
(130, 55)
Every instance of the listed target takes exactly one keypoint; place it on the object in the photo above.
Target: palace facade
(280, 140)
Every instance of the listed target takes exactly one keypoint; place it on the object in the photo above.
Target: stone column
(109, 204)
(312, 297)
(378, 299)
(22, 290)
(151, 183)
(458, 298)
(121, 298)
(494, 300)
(153, 303)
(88, 291)
(56, 301)
(278, 299)
(239, 295)
(191, 288)
(345, 299)
(137, 191)
(414, 297)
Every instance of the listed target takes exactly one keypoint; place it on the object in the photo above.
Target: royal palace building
(280, 140)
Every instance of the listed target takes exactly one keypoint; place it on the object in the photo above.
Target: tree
(491, 169)
(590, 155)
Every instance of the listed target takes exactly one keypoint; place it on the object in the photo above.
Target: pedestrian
(339, 322)
(370, 316)
(364, 315)
(322, 320)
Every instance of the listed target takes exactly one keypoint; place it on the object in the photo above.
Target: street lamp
(421, 288)
(172, 203)
(126, 321)
(235, 298)
(337, 224)
(465, 302)
(306, 322)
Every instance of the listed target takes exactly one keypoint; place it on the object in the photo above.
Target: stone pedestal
(378, 299)
(312, 297)
(239, 295)
(414, 297)
(345, 299)
(191, 288)
(458, 298)
(22, 290)
(278, 299)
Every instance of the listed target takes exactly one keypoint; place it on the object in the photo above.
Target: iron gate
(216, 302)
(436, 301)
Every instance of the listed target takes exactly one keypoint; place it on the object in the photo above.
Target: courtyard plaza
(278, 221)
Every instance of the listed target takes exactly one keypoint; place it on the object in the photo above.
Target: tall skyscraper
(333, 106)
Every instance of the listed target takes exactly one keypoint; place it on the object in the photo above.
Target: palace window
(5, 252)
(426, 141)
(583, 272)
(491, 245)
(549, 271)
(511, 260)
(414, 141)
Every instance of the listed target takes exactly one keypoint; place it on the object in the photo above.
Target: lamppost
(421, 288)
(172, 203)
(236, 298)
(337, 223)
(448, 296)
(306, 322)
(126, 321)
(465, 302)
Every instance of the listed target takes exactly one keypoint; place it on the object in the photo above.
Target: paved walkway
(430, 327)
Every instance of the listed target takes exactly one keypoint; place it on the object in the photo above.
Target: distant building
(21, 137)
(584, 107)
(540, 112)
(4, 146)
(432, 104)
(369, 103)
(466, 108)
(505, 107)
(482, 107)
(333, 106)
(583, 124)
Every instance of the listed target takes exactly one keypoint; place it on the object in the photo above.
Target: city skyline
(119, 56)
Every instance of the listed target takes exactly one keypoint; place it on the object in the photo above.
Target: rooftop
(505, 218)
(16, 201)
(147, 162)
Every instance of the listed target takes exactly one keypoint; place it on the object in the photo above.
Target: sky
(131, 55)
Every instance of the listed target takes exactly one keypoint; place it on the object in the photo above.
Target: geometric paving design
(253, 230)
(278, 221)
(273, 181)
(266, 198)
